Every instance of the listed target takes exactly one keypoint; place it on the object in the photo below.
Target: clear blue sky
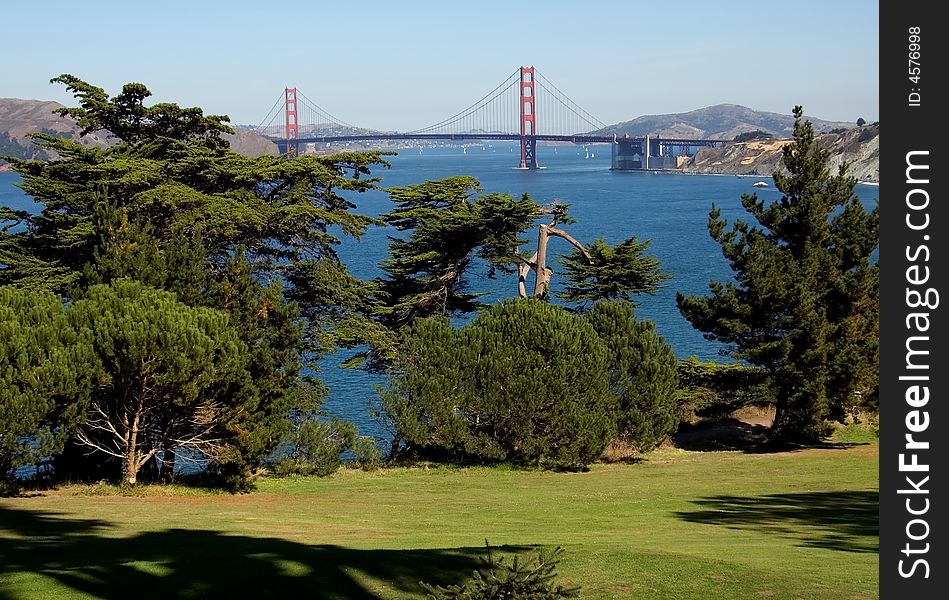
(403, 65)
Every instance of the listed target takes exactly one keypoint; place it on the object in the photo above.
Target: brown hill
(18, 118)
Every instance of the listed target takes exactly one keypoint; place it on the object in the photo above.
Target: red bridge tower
(528, 120)
(292, 122)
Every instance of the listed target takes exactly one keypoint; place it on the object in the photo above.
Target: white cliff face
(864, 161)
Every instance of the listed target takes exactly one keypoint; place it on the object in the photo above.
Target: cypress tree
(169, 204)
(804, 303)
(607, 272)
(450, 222)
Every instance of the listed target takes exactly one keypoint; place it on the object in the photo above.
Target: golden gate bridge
(526, 107)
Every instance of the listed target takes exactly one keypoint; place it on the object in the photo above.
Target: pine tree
(605, 272)
(450, 223)
(170, 373)
(46, 376)
(531, 579)
(804, 303)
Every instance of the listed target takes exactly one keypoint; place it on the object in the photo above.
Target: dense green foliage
(43, 363)
(610, 272)
(805, 302)
(170, 205)
(450, 224)
(532, 579)
(642, 374)
(753, 135)
(525, 382)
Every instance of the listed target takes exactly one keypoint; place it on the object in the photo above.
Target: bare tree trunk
(541, 272)
(131, 453)
(538, 262)
(523, 270)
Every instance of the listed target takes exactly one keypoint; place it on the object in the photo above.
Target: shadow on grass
(732, 434)
(844, 521)
(178, 563)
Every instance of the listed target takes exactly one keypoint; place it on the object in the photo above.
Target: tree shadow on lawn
(734, 434)
(844, 521)
(178, 563)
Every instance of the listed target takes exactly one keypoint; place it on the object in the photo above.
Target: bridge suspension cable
(488, 111)
(264, 127)
(568, 104)
(498, 112)
(312, 111)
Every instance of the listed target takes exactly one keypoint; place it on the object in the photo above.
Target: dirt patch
(621, 452)
(768, 146)
(754, 415)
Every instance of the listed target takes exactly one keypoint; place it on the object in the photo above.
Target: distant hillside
(19, 117)
(720, 122)
(859, 146)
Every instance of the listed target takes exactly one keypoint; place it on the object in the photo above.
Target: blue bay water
(670, 209)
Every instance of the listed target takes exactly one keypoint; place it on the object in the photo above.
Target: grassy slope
(680, 525)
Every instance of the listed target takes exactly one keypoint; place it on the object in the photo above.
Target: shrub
(316, 447)
(525, 382)
(642, 374)
(46, 375)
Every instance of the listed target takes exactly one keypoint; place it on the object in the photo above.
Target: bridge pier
(654, 153)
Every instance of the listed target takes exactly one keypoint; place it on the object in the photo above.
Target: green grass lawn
(678, 525)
